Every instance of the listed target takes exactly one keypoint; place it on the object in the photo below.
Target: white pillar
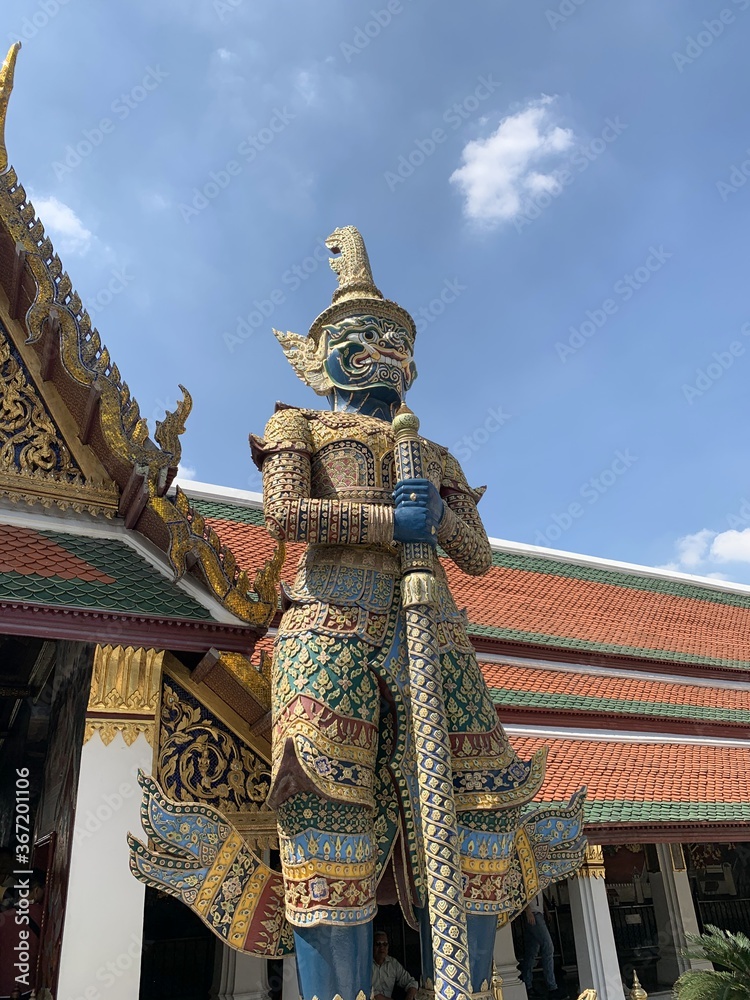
(674, 912)
(103, 928)
(596, 956)
(242, 977)
(507, 966)
(290, 987)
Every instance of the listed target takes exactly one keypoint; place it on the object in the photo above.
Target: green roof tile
(626, 706)
(627, 811)
(137, 587)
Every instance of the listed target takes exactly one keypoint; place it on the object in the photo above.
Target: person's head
(380, 946)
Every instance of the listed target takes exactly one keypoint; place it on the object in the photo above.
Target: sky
(557, 192)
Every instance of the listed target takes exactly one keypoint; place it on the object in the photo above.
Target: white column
(242, 977)
(674, 912)
(103, 928)
(596, 956)
(290, 988)
(507, 966)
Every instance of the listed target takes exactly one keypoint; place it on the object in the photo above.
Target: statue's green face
(370, 354)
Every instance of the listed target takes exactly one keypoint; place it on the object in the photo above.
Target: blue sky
(556, 191)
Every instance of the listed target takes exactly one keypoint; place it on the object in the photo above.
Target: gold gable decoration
(60, 331)
(35, 462)
(203, 755)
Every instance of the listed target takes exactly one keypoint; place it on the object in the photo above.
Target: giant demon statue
(392, 778)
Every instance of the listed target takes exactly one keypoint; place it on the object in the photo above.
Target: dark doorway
(178, 951)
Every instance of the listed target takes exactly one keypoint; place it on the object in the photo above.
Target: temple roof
(537, 599)
(635, 784)
(79, 583)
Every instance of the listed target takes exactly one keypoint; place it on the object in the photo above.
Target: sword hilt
(416, 557)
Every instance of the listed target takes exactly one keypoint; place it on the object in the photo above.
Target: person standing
(387, 972)
(537, 938)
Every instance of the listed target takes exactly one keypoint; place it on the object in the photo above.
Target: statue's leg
(328, 863)
(481, 930)
(334, 961)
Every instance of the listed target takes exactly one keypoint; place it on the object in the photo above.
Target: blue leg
(425, 945)
(481, 929)
(333, 960)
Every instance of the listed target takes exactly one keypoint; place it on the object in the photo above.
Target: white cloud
(692, 549)
(702, 552)
(500, 174)
(68, 233)
(731, 546)
(186, 472)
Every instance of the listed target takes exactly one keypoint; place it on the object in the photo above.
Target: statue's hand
(419, 511)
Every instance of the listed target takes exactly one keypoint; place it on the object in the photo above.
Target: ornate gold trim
(109, 728)
(593, 863)
(125, 680)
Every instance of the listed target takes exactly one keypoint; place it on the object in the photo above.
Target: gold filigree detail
(255, 681)
(125, 679)
(351, 265)
(35, 462)
(6, 86)
(593, 863)
(200, 758)
(168, 430)
(109, 728)
(193, 542)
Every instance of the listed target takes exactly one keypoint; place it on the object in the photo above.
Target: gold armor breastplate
(353, 458)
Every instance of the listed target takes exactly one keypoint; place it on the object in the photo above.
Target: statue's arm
(284, 456)
(461, 532)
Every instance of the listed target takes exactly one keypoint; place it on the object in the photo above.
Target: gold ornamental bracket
(593, 863)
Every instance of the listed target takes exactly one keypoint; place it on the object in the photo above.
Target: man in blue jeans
(538, 938)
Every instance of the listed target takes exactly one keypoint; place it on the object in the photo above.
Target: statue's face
(369, 354)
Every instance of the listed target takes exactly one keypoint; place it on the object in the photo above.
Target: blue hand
(419, 511)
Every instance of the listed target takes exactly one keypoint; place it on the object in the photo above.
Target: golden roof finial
(637, 992)
(6, 86)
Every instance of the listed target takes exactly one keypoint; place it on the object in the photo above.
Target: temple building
(137, 617)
